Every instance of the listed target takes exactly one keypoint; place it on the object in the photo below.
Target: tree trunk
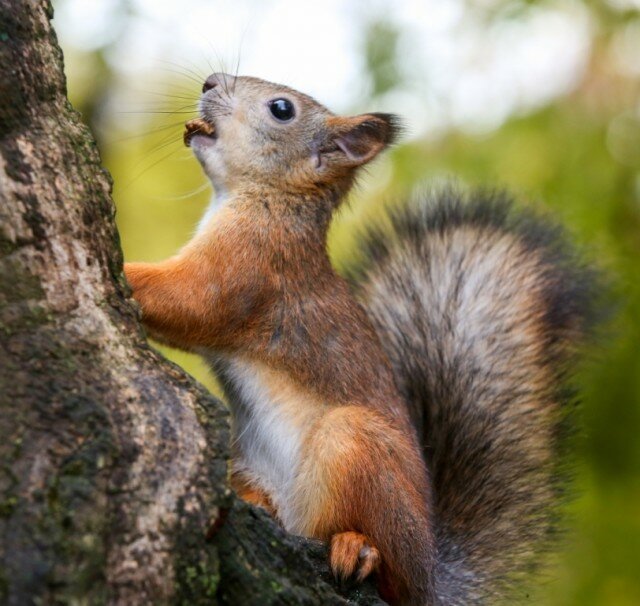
(113, 485)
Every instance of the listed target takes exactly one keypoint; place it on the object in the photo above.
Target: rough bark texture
(113, 463)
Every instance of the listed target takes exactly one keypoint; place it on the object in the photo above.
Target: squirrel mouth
(198, 126)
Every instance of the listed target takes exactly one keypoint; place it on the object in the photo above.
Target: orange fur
(353, 554)
(208, 295)
(363, 472)
(251, 493)
(256, 285)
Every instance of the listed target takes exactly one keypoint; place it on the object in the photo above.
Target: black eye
(282, 109)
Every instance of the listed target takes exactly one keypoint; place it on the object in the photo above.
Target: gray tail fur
(480, 310)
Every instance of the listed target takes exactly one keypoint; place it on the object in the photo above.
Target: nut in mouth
(197, 126)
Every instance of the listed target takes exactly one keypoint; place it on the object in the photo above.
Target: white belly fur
(271, 419)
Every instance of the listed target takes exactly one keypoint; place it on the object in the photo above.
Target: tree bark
(113, 479)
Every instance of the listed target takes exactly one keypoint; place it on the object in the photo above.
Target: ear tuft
(393, 127)
(362, 138)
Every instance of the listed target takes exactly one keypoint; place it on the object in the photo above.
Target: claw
(352, 554)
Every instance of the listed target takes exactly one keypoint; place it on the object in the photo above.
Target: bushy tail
(480, 310)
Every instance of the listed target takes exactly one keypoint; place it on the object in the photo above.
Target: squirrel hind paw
(353, 555)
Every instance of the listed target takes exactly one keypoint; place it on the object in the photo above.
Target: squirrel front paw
(353, 554)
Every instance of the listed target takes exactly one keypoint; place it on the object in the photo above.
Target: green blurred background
(540, 97)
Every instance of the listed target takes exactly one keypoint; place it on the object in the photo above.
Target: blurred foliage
(578, 159)
(381, 57)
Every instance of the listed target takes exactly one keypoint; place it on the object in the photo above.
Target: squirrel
(407, 413)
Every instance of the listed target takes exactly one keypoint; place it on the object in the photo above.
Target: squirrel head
(259, 135)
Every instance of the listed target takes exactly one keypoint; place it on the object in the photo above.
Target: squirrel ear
(362, 138)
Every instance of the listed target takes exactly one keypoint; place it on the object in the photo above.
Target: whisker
(151, 154)
(148, 168)
(206, 185)
(158, 112)
(171, 136)
(155, 146)
(235, 75)
(222, 70)
(209, 63)
(164, 141)
(186, 87)
(242, 39)
(167, 108)
(157, 94)
(226, 84)
(187, 156)
(187, 70)
(197, 69)
(182, 107)
(219, 95)
(183, 74)
(148, 132)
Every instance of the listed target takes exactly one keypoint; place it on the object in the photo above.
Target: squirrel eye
(282, 110)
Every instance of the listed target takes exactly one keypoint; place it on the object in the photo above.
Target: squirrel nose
(218, 79)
